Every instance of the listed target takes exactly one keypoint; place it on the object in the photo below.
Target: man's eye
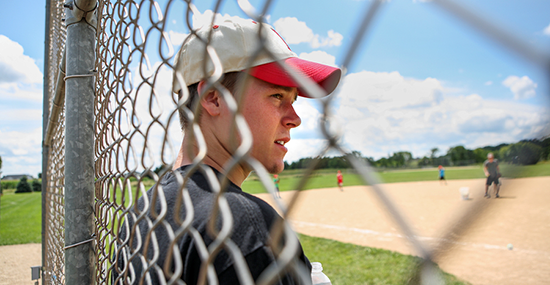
(278, 96)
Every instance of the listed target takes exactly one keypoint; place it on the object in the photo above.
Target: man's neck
(237, 175)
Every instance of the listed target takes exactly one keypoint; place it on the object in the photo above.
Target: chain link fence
(136, 129)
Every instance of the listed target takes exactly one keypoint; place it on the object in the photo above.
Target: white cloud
(290, 28)
(299, 148)
(21, 151)
(15, 66)
(203, 19)
(332, 39)
(20, 91)
(522, 88)
(320, 57)
(546, 30)
(18, 115)
(20, 78)
(386, 112)
(488, 83)
(177, 38)
(296, 32)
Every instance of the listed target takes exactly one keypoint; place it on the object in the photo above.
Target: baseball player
(442, 174)
(276, 181)
(492, 172)
(340, 179)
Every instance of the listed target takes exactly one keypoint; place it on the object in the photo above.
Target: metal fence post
(45, 120)
(79, 137)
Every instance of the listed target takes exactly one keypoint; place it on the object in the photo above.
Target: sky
(421, 78)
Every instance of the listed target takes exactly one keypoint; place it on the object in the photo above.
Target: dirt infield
(521, 217)
(16, 262)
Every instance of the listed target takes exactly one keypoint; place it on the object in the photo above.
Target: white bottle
(317, 275)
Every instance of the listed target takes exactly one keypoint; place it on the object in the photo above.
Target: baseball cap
(235, 44)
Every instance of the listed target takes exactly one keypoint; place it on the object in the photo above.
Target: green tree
(545, 144)
(402, 158)
(524, 153)
(23, 186)
(0, 176)
(383, 162)
(480, 154)
(425, 161)
(460, 155)
(36, 186)
(287, 166)
(433, 151)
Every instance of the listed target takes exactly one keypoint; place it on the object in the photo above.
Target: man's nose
(292, 119)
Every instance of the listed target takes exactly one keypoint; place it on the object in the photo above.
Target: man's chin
(275, 168)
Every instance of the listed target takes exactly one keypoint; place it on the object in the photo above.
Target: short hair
(229, 81)
(490, 155)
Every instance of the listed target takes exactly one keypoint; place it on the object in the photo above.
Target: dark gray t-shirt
(252, 218)
(491, 167)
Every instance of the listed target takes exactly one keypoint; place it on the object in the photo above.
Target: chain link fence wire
(137, 129)
(53, 178)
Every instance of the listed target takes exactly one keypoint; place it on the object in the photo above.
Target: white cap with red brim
(235, 44)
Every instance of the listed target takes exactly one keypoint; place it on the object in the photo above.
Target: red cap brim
(326, 76)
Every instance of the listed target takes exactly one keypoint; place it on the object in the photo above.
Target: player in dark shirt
(492, 171)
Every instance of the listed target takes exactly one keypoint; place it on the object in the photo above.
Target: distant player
(492, 171)
(276, 180)
(442, 175)
(340, 179)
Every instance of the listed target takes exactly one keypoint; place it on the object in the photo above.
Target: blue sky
(421, 78)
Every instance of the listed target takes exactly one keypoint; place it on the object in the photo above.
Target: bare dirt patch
(16, 262)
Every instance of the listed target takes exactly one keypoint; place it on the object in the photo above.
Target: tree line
(524, 152)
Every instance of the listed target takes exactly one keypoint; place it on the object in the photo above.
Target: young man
(492, 172)
(189, 197)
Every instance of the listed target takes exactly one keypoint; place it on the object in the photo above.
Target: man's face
(490, 157)
(270, 115)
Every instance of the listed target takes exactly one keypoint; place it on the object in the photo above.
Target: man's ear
(211, 102)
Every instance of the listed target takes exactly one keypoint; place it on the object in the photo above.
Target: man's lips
(282, 142)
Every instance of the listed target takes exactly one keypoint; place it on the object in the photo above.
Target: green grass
(513, 171)
(20, 218)
(326, 178)
(346, 263)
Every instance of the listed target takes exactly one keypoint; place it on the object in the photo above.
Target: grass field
(20, 218)
(346, 263)
(326, 178)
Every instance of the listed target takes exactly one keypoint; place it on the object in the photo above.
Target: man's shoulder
(245, 199)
